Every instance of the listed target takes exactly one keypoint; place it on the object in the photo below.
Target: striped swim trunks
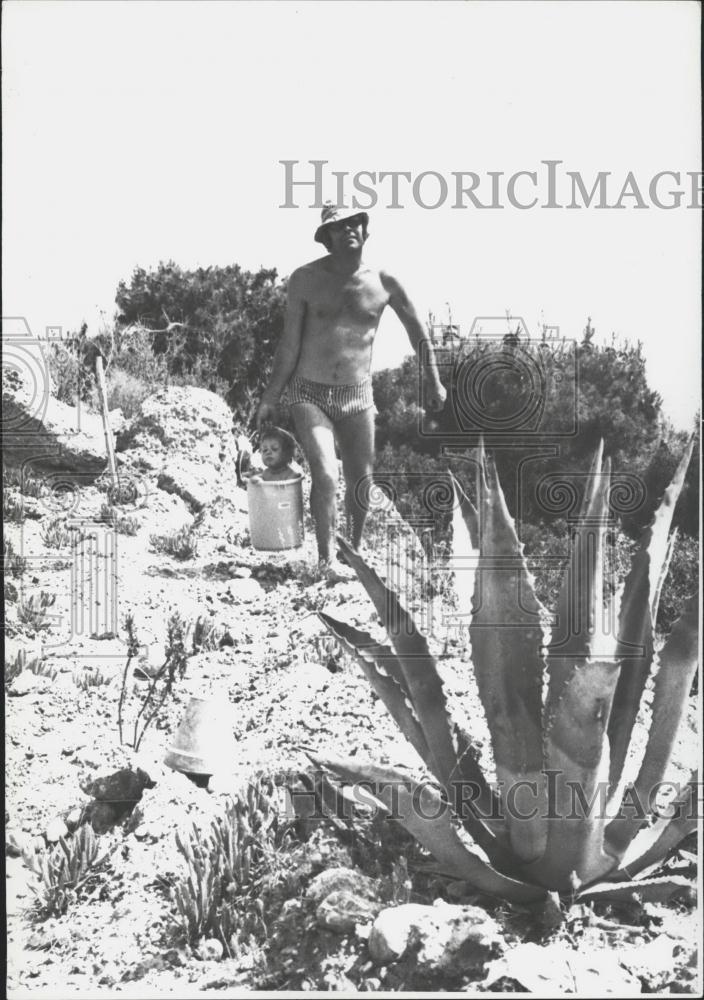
(336, 401)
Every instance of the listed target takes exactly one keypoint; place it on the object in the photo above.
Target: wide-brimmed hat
(331, 213)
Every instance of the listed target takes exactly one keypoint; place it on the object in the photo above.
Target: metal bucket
(276, 514)
(204, 742)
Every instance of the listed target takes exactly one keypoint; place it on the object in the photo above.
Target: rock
(73, 818)
(55, 829)
(17, 843)
(196, 483)
(443, 937)
(339, 880)
(102, 816)
(210, 950)
(123, 786)
(341, 911)
(185, 434)
(36, 424)
(245, 590)
(389, 935)
(26, 683)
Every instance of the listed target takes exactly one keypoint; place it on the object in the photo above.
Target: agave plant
(561, 710)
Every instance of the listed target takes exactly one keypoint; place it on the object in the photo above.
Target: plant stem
(122, 696)
(150, 692)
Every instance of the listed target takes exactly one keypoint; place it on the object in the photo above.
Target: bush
(215, 327)
(28, 484)
(681, 582)
(56, 534)
(124, 525)
(126, 392)
(63, 871)
(181, 544)
(604, 389)
(14, 565)
(12, 507)
(205, 635)
(229, 868)
(32, 611)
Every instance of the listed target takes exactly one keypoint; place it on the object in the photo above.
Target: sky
(135, 133)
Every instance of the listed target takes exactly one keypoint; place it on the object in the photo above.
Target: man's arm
(287, 352)
(417, 334)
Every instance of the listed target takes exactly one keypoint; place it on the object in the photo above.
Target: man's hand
(436, 395)
(266, 414)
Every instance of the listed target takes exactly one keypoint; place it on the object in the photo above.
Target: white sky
(135, 132)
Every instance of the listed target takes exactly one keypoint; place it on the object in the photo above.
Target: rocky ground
(287, 687)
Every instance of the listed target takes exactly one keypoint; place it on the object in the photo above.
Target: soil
(287, 687)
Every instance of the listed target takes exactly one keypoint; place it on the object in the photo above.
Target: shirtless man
(324, 359)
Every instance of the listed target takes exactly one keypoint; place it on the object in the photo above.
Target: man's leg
(315, 436)
(355, 438)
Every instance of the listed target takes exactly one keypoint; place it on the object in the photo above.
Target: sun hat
(331, 213)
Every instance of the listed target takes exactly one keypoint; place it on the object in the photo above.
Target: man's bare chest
(359, 301)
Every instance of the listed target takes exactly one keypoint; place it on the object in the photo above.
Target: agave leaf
(420, 809)
(465, 546)
(636, 621)
(383, 671)
(486, 802)
(583, 677)
(581, 595)
(652, 845)
(663, 573)
(652, 890)
(678, 663)
(506, 636)
(420, 673)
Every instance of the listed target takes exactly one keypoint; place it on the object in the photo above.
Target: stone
(122, 786)
(17, 843)
(245, 590)
(55, 829)
(28, 683)
(339, 880)
(389, 935)
(443, 937)
(102, 816)
(341, 911)
(73, 818)
(210, 950)
(36, 424)
(181, 422)
(195, 482)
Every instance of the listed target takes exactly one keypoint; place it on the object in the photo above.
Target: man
(324, 360)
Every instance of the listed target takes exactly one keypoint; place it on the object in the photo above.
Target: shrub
(681, 582)
(124, 525)
(86, 679)
(12, 507)
(28, 484)
(181, 544)
(205, 635)
(214, 327)
(228, 867)
(56, 534)
(14, 667)
(126, 392)
(32, 611)
(14, 565)
(63, 871)
(71, 365)
(174, 665)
